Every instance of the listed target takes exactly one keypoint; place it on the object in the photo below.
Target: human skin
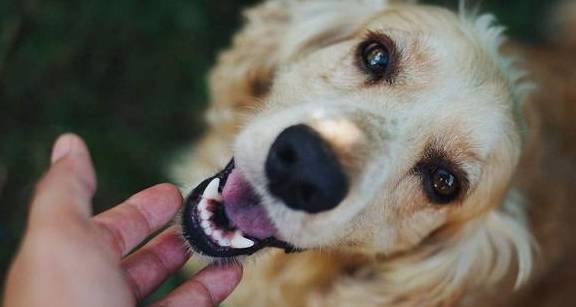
(69, 258)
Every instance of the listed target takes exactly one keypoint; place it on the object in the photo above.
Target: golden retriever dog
(386, 153)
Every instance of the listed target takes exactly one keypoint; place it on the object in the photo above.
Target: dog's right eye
(443, 187)
(443, 181)
(441, 184)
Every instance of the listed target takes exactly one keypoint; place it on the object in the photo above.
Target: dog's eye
(376, 58)
(443, 179)
(441, 185)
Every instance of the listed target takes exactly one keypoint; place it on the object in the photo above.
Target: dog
(385, 153)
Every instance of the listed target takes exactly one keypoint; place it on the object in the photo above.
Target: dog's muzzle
(224, 217)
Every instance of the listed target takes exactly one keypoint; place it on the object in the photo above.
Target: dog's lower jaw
(209, 231)
(430, 275)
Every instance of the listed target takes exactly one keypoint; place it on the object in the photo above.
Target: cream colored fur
(385, 245)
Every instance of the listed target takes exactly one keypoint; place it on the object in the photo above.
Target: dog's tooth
(224, 242)
(208, 231)
(205, 215)
(203, 209)
(239, 241)
(217, 235)
(203, 205)
(211, 191)
(205, 224)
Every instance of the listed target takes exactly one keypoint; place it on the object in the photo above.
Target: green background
(129, 77)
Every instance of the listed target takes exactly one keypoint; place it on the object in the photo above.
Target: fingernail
(62, 147)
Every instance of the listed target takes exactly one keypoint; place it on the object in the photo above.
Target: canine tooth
(211, 191)
(239, 241)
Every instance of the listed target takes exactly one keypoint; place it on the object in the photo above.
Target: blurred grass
(128, 76)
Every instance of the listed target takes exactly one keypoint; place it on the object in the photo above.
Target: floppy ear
(481, 252)
(244, 72)
(275, 33)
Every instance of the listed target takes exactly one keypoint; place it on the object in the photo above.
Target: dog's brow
(458, 150)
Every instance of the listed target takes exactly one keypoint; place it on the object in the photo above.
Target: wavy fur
(470, 255)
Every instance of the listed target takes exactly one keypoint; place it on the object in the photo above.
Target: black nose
(304, 172)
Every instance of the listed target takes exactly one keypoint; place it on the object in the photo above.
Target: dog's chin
(223, 218)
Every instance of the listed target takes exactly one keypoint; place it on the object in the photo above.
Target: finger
(207, 288)
(148, 267)
(127, 224)
(70, 183)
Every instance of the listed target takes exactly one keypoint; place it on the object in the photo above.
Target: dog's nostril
(304, 172)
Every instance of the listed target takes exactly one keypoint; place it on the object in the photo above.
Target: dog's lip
(201, 242)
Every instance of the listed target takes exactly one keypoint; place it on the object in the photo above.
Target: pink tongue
(243, 208)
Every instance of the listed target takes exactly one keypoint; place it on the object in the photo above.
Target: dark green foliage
(128, 76)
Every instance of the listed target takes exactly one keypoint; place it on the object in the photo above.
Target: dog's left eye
(376, 58)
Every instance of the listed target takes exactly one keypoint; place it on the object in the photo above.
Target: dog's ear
(485, 251)
(494, 246)
(275, 33)
(243, 73)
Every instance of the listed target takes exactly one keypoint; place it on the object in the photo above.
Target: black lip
(193, 233)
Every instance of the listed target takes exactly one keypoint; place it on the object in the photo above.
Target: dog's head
(385, 127)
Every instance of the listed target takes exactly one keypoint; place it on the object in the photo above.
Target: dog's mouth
(223, 217)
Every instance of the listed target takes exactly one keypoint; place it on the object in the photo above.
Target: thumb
(70, 182)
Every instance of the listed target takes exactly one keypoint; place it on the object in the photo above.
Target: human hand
(68, 258)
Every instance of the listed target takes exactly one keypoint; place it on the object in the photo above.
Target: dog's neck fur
(465, 262)
(476, 255)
